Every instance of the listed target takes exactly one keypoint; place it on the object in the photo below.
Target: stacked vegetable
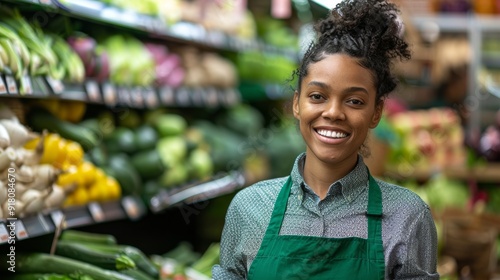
(150, 152)
(431, 138)
(183, 263)
(33, 181)
(65, 147)
(96, 256)
(82, 255)
(81, 180)
(26, 50)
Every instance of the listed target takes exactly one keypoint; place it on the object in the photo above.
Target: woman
(330, 219)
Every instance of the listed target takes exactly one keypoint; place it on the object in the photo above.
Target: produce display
(425, 139)
(92, 256)
(27, 50)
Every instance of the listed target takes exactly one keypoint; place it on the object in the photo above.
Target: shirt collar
(352, 184)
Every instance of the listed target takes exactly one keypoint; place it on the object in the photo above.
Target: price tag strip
(110, 94)
(21, 232)
(26, 86)
(197, 97)
(132, 208)
(211, 97)
(4, 234)
(74, 91)
(58, 218)
(3, 86)
(136, 98)
(11, 84)
(182, 97)
(96, 212)
(124, 96)
(167, 96)
(56, 86)
(93, 93)
(40, 87)
(150, 98)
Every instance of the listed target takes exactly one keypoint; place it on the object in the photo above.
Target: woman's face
(336, 108)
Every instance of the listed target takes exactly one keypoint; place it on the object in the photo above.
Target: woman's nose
(334, 111)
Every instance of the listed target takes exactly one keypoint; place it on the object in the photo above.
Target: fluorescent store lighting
(329, 4)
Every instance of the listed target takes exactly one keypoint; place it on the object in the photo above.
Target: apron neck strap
(374, 212)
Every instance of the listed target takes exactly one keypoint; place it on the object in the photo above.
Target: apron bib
(294, 257)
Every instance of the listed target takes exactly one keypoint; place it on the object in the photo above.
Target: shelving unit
(138, 97)
(181, 32)
(127, 208)
(475, 27)
(110, 95)
(47, 222)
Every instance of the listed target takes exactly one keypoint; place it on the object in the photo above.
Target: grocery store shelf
(47, 222)
(457, 22)
(182, 32)
(111, 95)
(445, 22)
(488, 173)
(198, 192)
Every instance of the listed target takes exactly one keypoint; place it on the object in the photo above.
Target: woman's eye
(316, 96)
(356, 102)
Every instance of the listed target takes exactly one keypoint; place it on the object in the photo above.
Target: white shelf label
(4, 234)
(57, 217)
(21, 232)
(131, 208)
(56, 85)
(11, 84)
(92, 88)
(96, 211)
(3, 87)
(27, 88)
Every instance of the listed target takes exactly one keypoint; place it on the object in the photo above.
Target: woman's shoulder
(398, 198)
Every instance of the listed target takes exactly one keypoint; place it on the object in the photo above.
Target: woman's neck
(320, 175)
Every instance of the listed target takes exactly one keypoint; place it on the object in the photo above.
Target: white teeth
(331, 134)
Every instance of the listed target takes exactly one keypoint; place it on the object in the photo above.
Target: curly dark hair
(365, 29)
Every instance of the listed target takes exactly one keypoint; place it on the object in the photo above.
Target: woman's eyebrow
(346, 90)
(319, 84)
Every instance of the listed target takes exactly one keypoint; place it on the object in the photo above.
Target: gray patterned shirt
(408, 229)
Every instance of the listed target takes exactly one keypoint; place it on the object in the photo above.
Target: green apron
(317, 258)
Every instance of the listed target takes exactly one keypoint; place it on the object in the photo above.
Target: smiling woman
(330, 219)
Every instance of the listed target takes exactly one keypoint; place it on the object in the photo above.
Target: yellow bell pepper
(75, 110)
(87, 173)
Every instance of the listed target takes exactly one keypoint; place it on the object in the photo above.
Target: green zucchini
(82, 252)
(40, 119)
(141, 261)
(46, 263)
(77, 235)
(40, 276)
(137, 274)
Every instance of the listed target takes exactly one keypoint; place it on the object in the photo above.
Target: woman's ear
(295, 106)
(379, 110)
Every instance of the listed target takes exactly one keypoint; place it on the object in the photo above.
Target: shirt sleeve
(420, 261)
(232, 263)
